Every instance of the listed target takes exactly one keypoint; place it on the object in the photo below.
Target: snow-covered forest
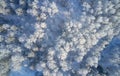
(59, 37)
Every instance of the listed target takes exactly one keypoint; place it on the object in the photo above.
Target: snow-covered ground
(60, 37)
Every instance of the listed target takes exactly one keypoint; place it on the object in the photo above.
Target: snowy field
(59, 37)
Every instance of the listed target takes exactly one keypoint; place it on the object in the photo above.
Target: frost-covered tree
(60, 37)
